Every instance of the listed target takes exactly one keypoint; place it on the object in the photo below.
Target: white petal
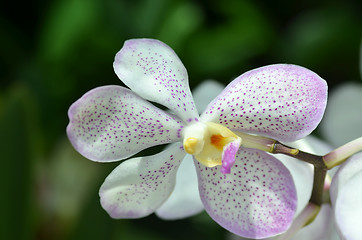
(137, 187)
(347, 171)
(284, 102)
(342, 121)
(348, 208)
(346, 197)
(111, 123)
(185, 199)
(154, 71)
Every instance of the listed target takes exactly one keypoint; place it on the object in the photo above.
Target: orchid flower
(245, 190)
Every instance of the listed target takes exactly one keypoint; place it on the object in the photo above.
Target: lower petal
(185, 199)
(137, 187)
(256, 200)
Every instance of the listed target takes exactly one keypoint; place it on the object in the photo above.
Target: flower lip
(208, 141)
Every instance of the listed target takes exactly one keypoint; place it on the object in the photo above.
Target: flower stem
(339, 155)
(296, 153)
(318, 185)
(320, 169)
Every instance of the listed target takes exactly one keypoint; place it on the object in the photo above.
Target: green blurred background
(55, 51)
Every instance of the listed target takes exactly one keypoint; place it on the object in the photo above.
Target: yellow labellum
(206, 142)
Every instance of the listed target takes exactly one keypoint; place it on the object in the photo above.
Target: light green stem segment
(307, 216)
(251, 141)
(339, 155)
(265, 144)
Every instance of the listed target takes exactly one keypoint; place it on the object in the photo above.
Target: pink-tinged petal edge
(138, 186)
(281, 101)
(256, 200)
(228, 156)
(153, 70)
(110, 123)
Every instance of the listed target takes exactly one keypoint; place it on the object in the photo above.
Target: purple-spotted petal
(256, 200)
(153, 70)
(111, 123)
(281, 101)
(137, 187)
(228, 156)
(185, 200)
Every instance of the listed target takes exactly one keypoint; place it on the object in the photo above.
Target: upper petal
(111, 123)
(281, 101)
(185, 200)
(137, 187)
(256, 200)
(153, 70)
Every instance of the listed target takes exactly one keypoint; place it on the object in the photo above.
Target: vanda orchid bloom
(245, 190)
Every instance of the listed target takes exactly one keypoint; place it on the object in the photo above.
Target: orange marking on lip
(217, 141)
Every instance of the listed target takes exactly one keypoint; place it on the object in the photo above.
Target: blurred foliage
(55, 51)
